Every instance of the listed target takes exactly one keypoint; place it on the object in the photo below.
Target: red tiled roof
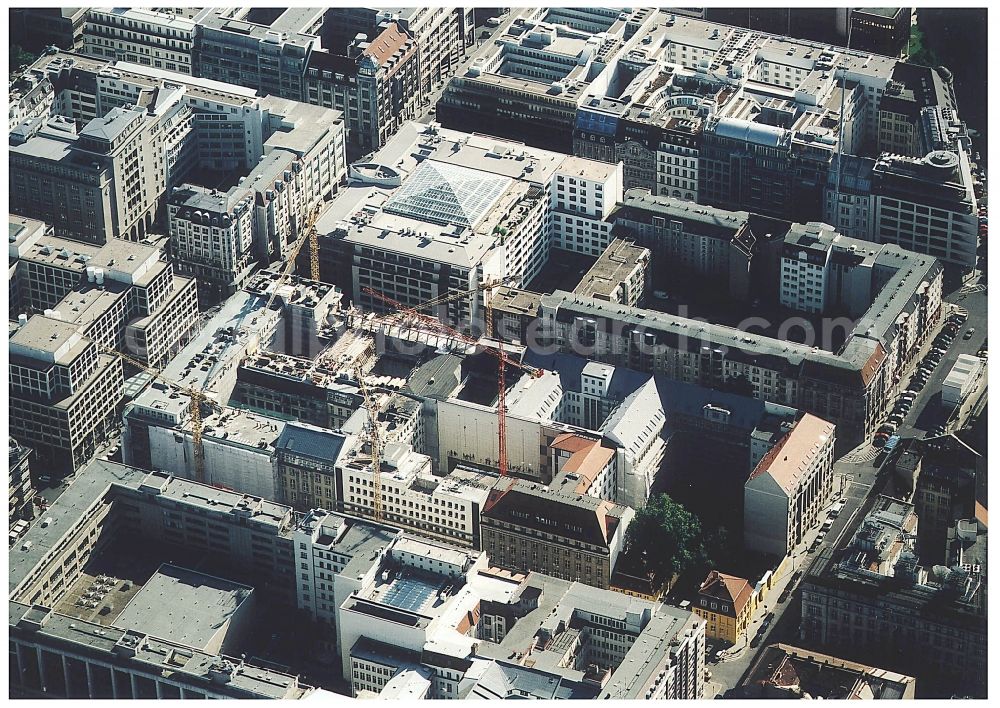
(387, 43)
(727, 588)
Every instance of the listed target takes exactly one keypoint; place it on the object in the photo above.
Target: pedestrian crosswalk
(861, 454)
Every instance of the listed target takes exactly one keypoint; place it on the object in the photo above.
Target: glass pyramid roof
(442, 193)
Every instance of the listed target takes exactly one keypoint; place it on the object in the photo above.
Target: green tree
(918, 51)
(666, 537)
(18, 57)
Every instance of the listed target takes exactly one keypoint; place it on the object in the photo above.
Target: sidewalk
(798, 555)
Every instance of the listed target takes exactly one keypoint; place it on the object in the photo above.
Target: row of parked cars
(923, 373)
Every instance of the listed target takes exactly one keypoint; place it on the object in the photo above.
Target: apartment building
(873, 600)
(212, 235)
(534, 528)
(374, 82)
(785, 671)
(161, 39)
(621, 274)
(20, 490)
(789, 488)
(121, 295)
(139, 114)
(64, 393)
(726, 603)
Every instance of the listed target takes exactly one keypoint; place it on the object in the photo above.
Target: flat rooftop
(183, 606)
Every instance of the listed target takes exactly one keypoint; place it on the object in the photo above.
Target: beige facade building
(569, 536)
(789, 488)
(63, 392)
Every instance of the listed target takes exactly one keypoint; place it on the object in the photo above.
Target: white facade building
(238, 449)
(139, 35)
(445, 508)
(962, 379)
(789, 488)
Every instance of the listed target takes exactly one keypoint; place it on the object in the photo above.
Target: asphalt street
(858, 473)
(482, 47)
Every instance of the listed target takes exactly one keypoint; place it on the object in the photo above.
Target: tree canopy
(667, 538)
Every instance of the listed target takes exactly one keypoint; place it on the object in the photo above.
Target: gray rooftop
(184, 606)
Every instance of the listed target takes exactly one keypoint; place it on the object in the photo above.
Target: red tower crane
(503, 360)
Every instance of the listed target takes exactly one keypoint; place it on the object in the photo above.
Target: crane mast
(376, 443)
(197, 399)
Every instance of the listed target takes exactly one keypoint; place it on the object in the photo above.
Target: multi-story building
(789, 488)
(175, 123)
(271, 60)
(342, 554)
(117, 519)
(534, 528)
(747, 120)
(446, 508)
(64, 392)
(212, 236)
(848, 200)
(621, 274)
(305, 465)
(899, 311)
(89, 185)
(20, 490)
(438, 212)
(938, 476)
(531, 81)
(375, 83)
(31, 97)
(584, 642)
(726, 603)
(784, 671)
(918, 112)
(927, 205)
(584, 192)
(689, 242)
(40, 27)
(441, 35)
(161, 39)
(873, 601)
(121, 295)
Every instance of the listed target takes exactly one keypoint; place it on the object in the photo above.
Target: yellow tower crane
(198, 399)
